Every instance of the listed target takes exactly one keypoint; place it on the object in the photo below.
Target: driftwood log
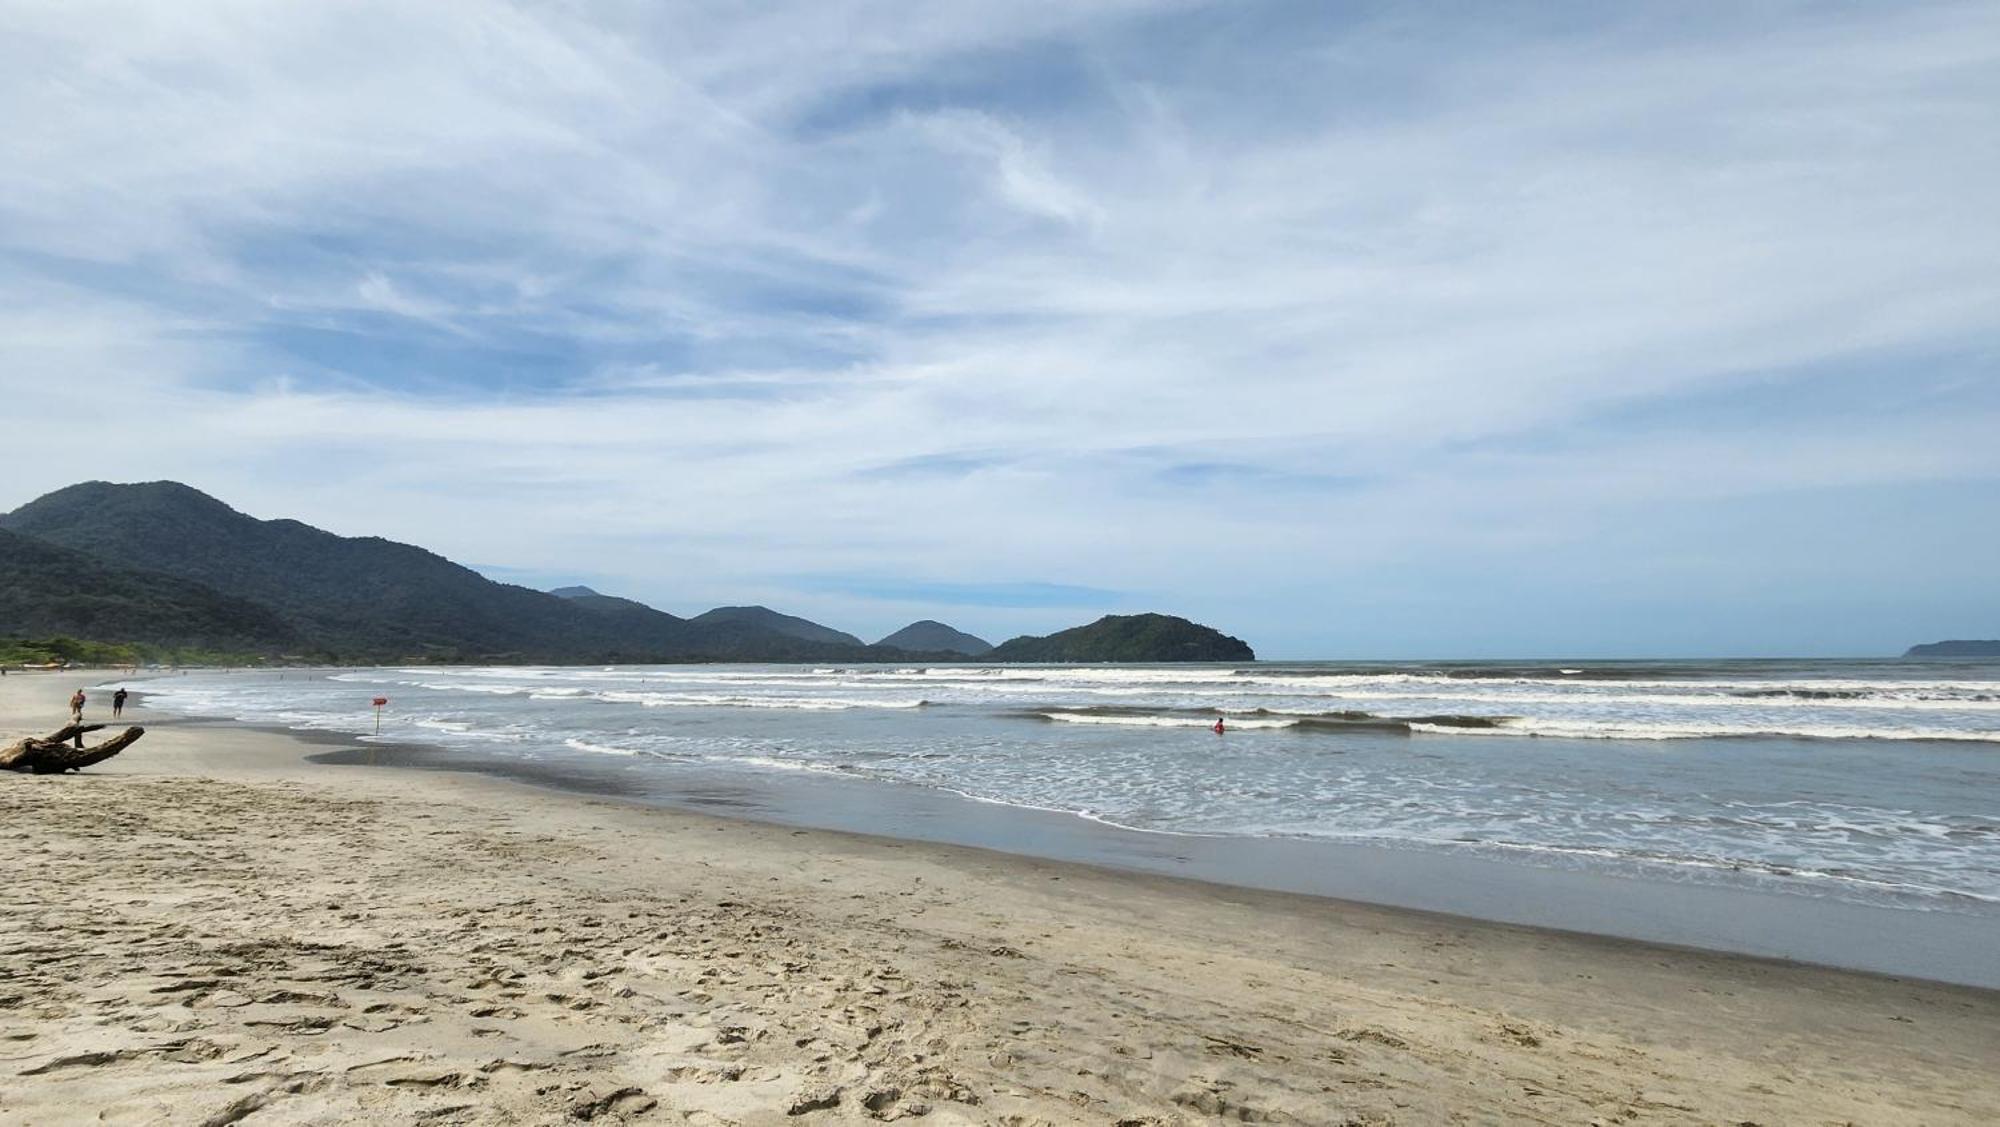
(64, 751)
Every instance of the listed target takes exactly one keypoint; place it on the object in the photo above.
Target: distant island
(764, 620)
(927, 634)
(1128, 637)
(107, 573)
(1956, 648)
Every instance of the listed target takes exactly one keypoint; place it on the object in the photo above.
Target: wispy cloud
(1276, 311)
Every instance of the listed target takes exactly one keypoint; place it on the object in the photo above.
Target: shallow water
(1870, 783)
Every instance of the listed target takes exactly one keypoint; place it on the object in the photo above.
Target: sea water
(1870, 782)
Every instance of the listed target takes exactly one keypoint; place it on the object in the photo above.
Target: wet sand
(1929, 943)
(212, 929)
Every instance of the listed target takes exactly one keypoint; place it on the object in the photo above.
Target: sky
(1352, 329)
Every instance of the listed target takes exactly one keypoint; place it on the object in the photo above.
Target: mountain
(735, 621)
(358, 599)
(49, 591)
(350, 599)
(734, 633)
(613, 605)
(167, 565)
(1128, 637)
(1956, 648)
(928, 635)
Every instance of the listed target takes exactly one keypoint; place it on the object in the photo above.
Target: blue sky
(1354, 329)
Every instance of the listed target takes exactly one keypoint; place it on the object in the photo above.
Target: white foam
(1163, 721)
(600, 749)
(1687, 730)
(1922, 838)
(718, 700)
(770, 763)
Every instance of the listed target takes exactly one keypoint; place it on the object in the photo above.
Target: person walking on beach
(118, 702)
(76, 706)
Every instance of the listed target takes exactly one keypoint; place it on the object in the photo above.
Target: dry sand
(208, 929)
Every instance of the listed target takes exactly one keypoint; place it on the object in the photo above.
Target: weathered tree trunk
(64, 751)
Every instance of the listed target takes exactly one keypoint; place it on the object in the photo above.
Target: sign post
(380, 703)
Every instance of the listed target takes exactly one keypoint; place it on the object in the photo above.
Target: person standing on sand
(76, 706)
(118, 702)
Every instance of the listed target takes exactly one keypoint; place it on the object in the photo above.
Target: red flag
(380, 701)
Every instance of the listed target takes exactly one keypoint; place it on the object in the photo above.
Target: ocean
(1869, 782)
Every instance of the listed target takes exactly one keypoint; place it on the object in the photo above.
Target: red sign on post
(379, 702)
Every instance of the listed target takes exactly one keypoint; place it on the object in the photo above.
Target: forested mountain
(361, 598)
(47, 591)
(367, 599)
(1127, 637)
(736, 633)
(1958, 647)
(636, 614)
(167, 565)
(928, 634)
(735, 621)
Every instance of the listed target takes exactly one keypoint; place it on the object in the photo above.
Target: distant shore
(210, 924)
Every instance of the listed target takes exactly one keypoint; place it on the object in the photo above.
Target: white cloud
(1427, 266)
(1020, 175)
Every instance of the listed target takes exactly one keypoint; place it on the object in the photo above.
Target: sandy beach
(209, 929)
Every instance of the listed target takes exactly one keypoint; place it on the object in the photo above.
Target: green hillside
(1958, 647)
(165, 565)
(355, 599)
(1130, 637)
(929, 634)
(49, 592)
(738, 622)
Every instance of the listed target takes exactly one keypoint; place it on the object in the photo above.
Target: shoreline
(737, 970)
(1662, 906)
(1937, 945)
(339, 750)
(1944, 945)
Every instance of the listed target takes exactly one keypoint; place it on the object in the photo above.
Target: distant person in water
(118, 702)
(1218, 725)
(76, 706)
